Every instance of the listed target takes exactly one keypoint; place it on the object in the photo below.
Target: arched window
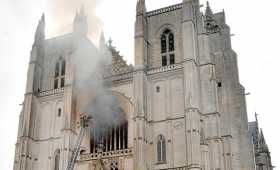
(163, 43)
(161, 149)
(59, 74)
(202, 136)
(115, 138)
(63, 67)
(167, 48)
(56, 74)
(59, 112)
(56, 160)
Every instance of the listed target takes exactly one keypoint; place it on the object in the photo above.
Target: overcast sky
(254, 23)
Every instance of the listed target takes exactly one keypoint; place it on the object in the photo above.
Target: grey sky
(255, 24)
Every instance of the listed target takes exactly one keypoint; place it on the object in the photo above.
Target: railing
(177, 168)
(165, 68)
(109, 154)
(164, 10)
(120, 77)
(50, 92)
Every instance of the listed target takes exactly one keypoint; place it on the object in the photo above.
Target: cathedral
(179, 107)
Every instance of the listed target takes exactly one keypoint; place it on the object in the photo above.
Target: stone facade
(184, 104)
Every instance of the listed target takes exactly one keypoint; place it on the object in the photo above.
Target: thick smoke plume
(92, 91)
(89, 63)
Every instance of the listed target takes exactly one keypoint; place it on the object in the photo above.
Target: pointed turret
(255, 132)
(110, 43)
(40, 31)
(208, 13)
(263, 157)
(140, 33)
(257, 122)
(80, 23)
(262, 142)
(211, 25)
(141, 7)
(102, 44)
(82, 11)
(104, 51)
(37, 51)
(102, 39)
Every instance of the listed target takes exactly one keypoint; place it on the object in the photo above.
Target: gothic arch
(125, 102)
(118, 136)
(59, 73)
(163, 27)
(157, 58)
(56, 159)
(161, 149)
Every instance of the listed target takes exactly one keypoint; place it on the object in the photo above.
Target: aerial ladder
(84, 124)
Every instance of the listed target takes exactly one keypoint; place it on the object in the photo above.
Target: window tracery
(56, 69)
(59, 73)
(56, 160)
(63, 63)
(167, 48)
(161, 149)
(114, 138)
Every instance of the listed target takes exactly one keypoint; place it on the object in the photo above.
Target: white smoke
(62, 13)
(92, 92)
(89, 63)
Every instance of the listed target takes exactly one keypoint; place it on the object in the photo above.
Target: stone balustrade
(177, 168)
(164, 10)
(120, 77)
(104, 155)
(50, 92)
(165, 68)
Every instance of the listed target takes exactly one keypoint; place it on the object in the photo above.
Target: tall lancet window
(167, 48)
(59, 74)
(63, 67)
(56, 160)
(161, 149)
(113, 138)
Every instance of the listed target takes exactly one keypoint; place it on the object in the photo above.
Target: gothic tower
(182, 105)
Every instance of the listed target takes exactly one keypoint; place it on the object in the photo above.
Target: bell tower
(26, 128)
